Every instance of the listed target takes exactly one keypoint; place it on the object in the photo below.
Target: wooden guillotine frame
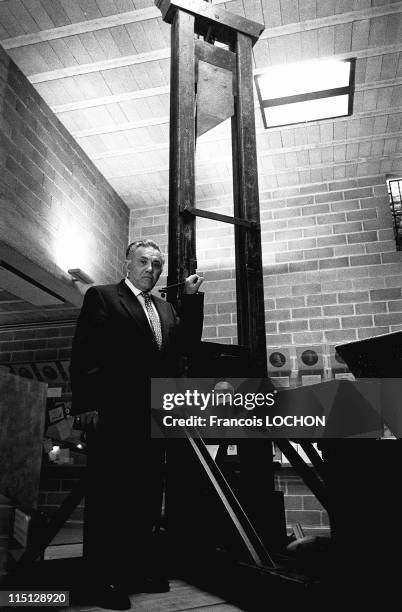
(203, 72)
(210, 83)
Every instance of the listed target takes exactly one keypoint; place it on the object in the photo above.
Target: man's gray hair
(133, 246)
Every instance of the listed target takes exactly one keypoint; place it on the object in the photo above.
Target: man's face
(145, 267)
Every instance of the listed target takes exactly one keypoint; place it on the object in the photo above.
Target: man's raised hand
(193, 283)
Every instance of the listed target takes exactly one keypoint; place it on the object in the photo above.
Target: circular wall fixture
(277, 359)
(309, 357)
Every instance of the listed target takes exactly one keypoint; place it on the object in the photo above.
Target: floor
(65, 550)
(181, 597)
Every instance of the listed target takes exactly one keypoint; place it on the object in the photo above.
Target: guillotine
(202, 72)
(210, 83)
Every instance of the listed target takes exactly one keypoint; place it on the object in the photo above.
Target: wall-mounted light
(73, 247)
(80, 276)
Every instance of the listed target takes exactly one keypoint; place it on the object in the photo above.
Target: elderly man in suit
(124, 337)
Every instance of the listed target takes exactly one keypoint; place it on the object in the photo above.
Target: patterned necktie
(153, 318)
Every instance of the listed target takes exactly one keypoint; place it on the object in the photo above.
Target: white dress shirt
(137, 293)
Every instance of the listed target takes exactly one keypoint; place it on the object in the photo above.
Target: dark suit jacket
(114, 353)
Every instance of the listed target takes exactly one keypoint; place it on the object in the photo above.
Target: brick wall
(331, 266)
(36, 344)
(56, 207)
(345, 284)
(331, 270)
(53, 491)
(53, 202)
(6, 522)
(301, 506)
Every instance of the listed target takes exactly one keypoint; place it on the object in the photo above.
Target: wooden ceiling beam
(122, 127)
(345, 162)
(332, 20)
(282, 171)
(165, 89)
(130, 151)
(269, 152)
(109, 64)
(82, 27)
(112, 99)
(378, 84)
(119, 19)
(261, 152)
(161, 54)
(358, 54)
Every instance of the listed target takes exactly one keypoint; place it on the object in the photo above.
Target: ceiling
(103, 67)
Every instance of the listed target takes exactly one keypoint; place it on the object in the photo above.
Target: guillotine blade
(214, 103)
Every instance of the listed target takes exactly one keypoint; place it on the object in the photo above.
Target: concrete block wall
(56, 207)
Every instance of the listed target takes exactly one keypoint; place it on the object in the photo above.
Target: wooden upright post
(249, 274)
(182, 256)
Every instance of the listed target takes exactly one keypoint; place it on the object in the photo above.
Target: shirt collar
(133, 288)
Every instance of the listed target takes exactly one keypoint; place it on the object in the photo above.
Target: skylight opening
(307, 91)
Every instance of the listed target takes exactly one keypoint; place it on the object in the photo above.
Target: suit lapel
(132, 305)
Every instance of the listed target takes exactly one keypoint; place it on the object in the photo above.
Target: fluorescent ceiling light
(307, 91)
